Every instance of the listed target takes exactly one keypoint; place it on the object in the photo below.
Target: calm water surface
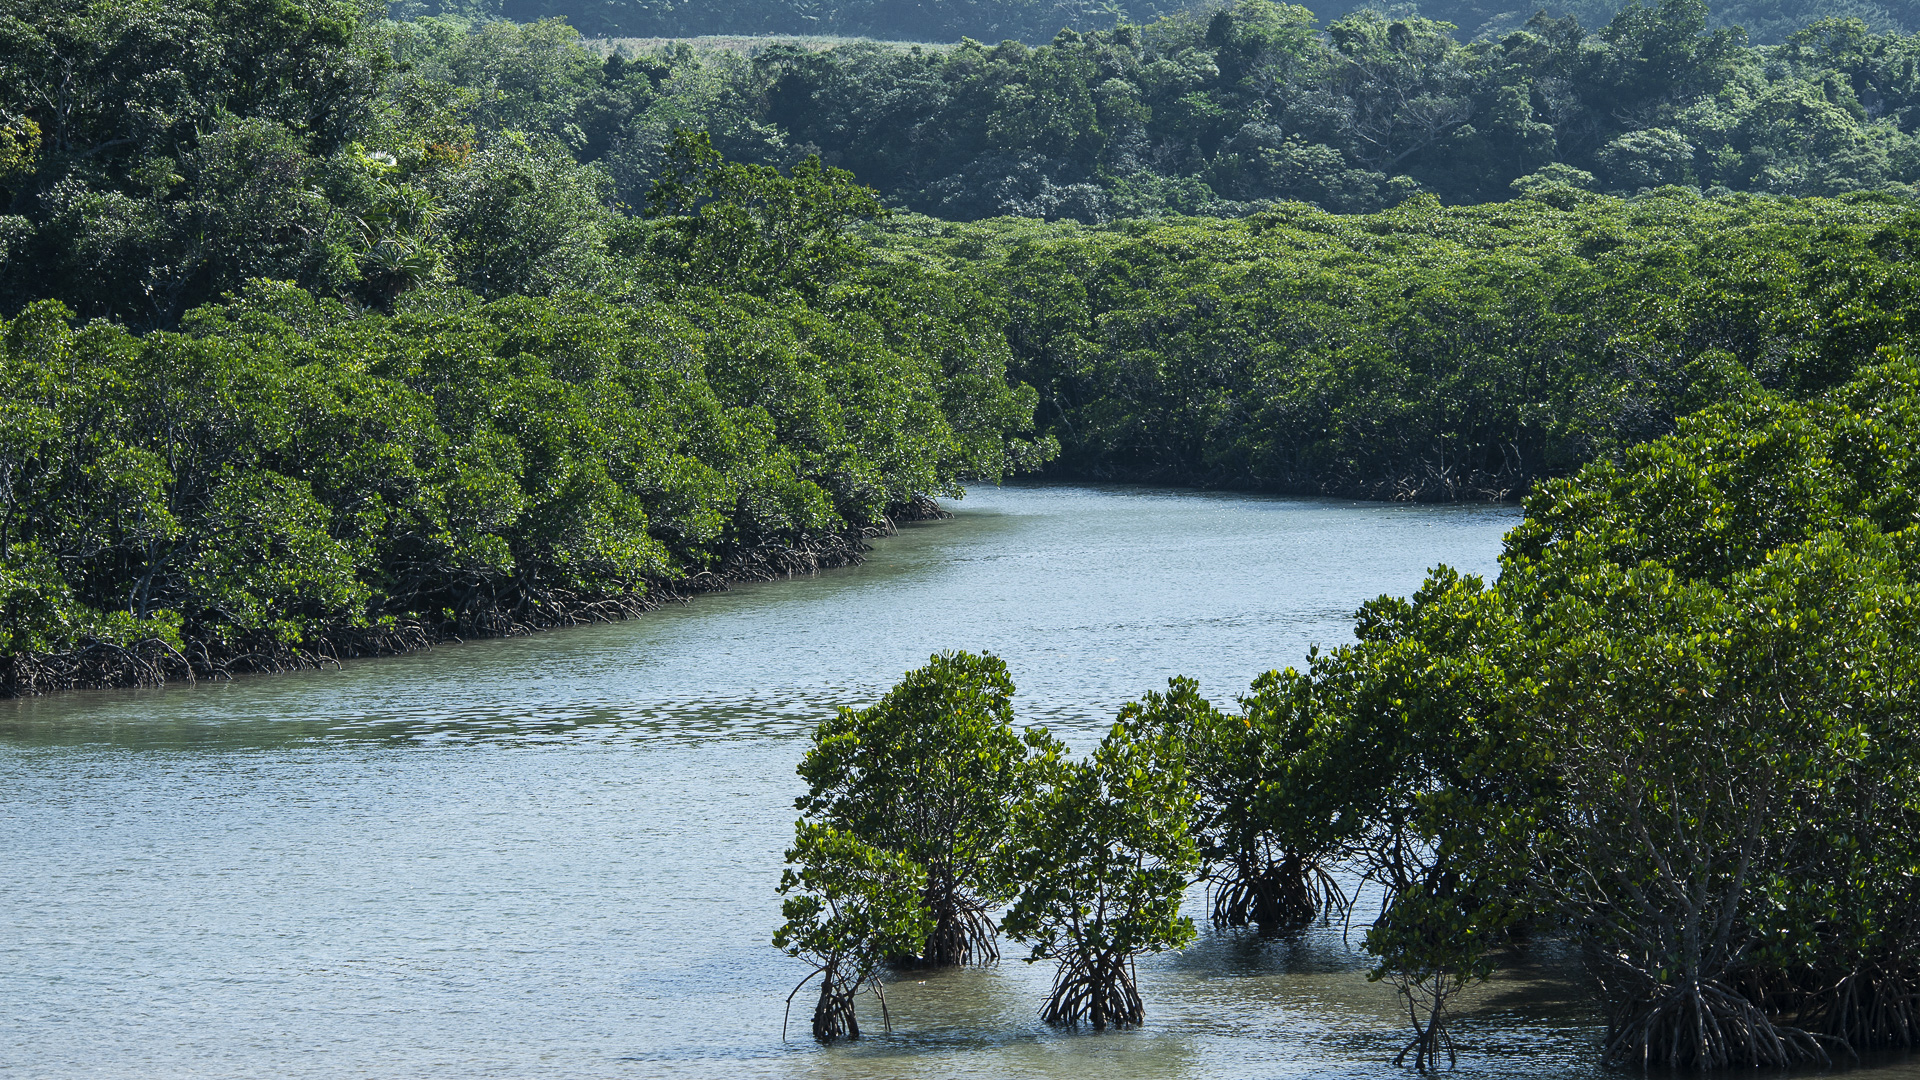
(555, 856)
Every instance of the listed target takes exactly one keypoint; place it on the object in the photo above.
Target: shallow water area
(555, 855)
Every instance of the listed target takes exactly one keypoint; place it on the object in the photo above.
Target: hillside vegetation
(1037, 21)
(152, 159)
(1229, 112)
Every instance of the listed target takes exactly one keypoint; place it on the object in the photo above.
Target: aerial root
(963, 933)
(1426, 995)
(833, 1015)
(1870, 1008)
(1098, 990)
(917, 508)
(1705, 1025)
(1277, 896)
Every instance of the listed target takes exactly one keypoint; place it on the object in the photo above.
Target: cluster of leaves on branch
(285, 478)
(1427, 352)
(970, 815)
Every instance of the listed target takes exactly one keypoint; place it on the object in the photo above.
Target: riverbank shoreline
(155, 662)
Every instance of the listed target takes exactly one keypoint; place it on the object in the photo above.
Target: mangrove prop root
(917, 508)
(1870, 1009)
(1705, 1025)
(1276, 896)
(1426, 996)
(833, 1016)
(963, 932)
(1097, 990)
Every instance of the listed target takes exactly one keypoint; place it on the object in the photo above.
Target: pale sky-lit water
(555, 855)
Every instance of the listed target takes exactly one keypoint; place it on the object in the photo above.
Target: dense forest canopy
(153, 158)
(1426, 352)
(162, 162)
(1036, 21)
(308, 356)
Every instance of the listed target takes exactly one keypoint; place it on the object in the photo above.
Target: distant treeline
(1228, 112)
(1427, 352)
(1037, 21)
(1231, 112)
(153, 158)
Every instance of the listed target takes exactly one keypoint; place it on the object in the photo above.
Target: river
(555, 855)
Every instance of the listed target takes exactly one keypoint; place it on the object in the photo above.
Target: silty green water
(555, 855)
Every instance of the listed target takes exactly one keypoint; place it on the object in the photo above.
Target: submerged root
(917, 508)
(766, 562)
(97, 663)
(1097, 990)
(1869, 1009)
(833, 1017)
(833, 1013)
(1705, 1025)
(963, 933)
(1427, 995)
(1277, 896)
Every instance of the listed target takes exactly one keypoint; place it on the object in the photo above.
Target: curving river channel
(555, 855)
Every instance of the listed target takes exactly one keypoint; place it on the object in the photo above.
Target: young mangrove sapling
(848, 906)
(1102, 854)
(932, 772)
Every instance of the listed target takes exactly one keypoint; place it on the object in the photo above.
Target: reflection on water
(554, 856)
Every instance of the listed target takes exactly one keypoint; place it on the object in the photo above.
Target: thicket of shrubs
(1426, 352)
(285, 480)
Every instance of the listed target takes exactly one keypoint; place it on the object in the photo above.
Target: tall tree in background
(747, 227)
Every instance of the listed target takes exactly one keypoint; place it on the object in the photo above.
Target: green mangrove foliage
(934, 782)
(285, 480)
(1416, 352)
(852, 906)
(1675, 732)
(1267, 845)
(932, 772)
(1426, 352)
(1102, 854)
